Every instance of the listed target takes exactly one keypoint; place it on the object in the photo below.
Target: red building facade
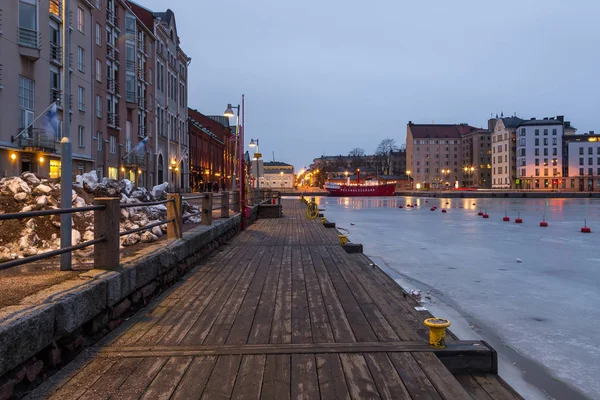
(211, 151)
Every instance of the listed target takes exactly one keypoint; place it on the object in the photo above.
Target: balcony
(112, 85)
(142, 75)
(56, 96)
(55, 9)
(113, 120)
(110, 51)
(29, 43)
(130, 96)
(130, 66)
(56, 53)
(141, 102)
(36, 140)
(135, 160)
(112, 18)
(141, 131)
(141, 46)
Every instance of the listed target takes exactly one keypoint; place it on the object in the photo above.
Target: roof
(143, 14)
(277, 164)
(539, 122)
(511, 122)
(582, 138)
(223, 120)
(165, 16)
(478, 131)
(440, 131)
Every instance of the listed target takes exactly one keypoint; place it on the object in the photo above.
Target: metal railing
(107, 215)
(36, 139)
(112, 85)
(29, 38)
(55, 53)
(113, 120)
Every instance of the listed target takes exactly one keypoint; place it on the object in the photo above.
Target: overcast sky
(323, 77)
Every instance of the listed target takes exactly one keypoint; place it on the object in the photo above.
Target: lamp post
(409, 181)
(238, 150)
(445, 172)
(254, 143)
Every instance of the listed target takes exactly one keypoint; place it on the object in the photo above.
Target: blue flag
(50, 122)
(139, 148)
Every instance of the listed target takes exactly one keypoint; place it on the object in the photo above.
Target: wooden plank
(86, 377)
(277, 378)
(472, 387)
(495, 387)
(358, 376)
(163, 386)
(301, 329)
(304, 382)
(223, 376)
(140, 379)
(248, 384)
(444, 382)
(386, 378)
(414, 379)
(332, 382)
(281, 331)
(194, 381)
(109, 382)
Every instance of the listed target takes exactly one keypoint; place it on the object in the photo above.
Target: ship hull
(362, 191)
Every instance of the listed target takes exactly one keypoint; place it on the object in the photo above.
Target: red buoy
(400, 207)
(443, 210)
(435, 207)
(479, 213)
(432, 209)
(544, 224)
(426, 201)
(506, 218)
(485, 216)
(518, 221)
(473, 203)
(586, 229)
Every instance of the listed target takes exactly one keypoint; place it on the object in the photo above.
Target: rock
(79, 202)
(126, 186)
(134, 226)
(132, 239)
(5, 256)
(75, 237)
(27, 208)
(163, 228)
(88, 181)
(42, 189)
(148, 237)
(159, 189)
(20, 196)
(157, 231)
(41, 201)
(73, 196)
(30, 224)
(30, 178)
(30, 251)
(54, 236)
(33, 370)
(124, 213)
(17, 185)
(88, 235)
(28, 240)
(56, 222)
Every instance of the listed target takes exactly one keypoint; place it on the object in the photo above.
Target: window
(28, 23)
(130, 23)
(554, 141)
(545, 141)
(598, 150)
(545, 132)
(555, 172)
(537, 132)
(537, 161)
(522, 142)
(554, 151)
(98, 70)
(598, 161)
(545, 161)
(81, 98)
(537, 172)
(580, 171)
(99, 4)
(150, 76)
(80, 59)
(590, 161)
(537, 141)
(99, 138)
(522, 171)
(546, 151)
(580, 160)
(581, 151)
(80, 20)
(590, 171)
(113, 144)
(537, 152)
(98, 34)
(523, 153)
(98, 106)
(26, 96)
(554, 131)
(80, 135)
(590, 150)
(521, 134)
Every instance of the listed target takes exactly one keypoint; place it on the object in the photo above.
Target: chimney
(545, 118)
(410, 122)
(533, 119)
(591, 132)
(561, 118)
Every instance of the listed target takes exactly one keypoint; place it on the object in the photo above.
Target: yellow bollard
(343, 239)
(437, 332)
(323, 220)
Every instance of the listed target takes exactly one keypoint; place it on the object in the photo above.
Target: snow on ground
(540, 308)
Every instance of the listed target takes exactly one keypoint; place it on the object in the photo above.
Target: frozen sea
(542, 314)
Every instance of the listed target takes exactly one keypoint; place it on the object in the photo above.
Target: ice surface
(541, 307)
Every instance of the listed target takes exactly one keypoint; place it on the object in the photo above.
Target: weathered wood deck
(282, 313)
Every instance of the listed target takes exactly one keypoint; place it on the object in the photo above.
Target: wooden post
(174, 212)
(207, 205)
(225, 205)
(236, 201)
(106, 224)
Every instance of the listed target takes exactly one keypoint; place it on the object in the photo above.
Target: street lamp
(254, 143)
(409, 181)
(229, 114)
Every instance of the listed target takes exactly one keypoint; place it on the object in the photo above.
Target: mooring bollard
(174, 212)
(106, 224)
(437, 332)
(207, 205)
(343, 239)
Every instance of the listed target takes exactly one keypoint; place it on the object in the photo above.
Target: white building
(277, 175)
(503, 151)
(583, 162)
(539, 152)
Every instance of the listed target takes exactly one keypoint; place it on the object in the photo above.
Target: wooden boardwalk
(283, 312)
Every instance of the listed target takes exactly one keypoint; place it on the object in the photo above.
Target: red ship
(360, 189)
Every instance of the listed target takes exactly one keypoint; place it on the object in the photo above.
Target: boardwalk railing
(107, 234)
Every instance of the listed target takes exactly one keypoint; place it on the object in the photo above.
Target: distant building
(539, 152)
(277, 175)
(350, 163)
(477, 159)
(434, 154)
(581, 156)
(504, 172)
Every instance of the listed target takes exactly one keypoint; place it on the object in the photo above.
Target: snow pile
(23, 238)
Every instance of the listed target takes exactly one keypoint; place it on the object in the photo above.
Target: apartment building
(477, 159)
(504, 171)
(539, 152)
(581, 162)
(31, 51)
(434, 154)
(170, 64)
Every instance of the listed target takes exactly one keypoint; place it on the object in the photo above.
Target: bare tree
(384, 155)
(356, 157)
